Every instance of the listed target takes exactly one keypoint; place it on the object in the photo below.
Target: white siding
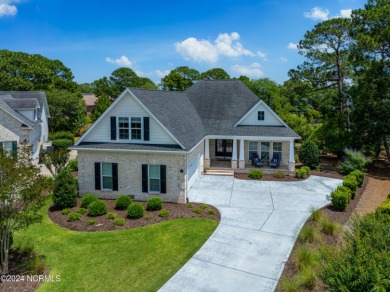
(128, 106)
(44, 126)
(270, 118)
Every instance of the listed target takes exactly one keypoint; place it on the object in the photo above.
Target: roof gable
(251, 117)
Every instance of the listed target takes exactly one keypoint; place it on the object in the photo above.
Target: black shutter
(97, 176)
(115, 176)
(144, 178)
(113, 128)
(146, 129)
(163, 178)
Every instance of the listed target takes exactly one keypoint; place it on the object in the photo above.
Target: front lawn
(140, 259)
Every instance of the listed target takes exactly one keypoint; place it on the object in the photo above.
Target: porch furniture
(257, 162)
(275, 160)
(253, 157)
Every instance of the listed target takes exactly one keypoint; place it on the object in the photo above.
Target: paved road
(259, 225)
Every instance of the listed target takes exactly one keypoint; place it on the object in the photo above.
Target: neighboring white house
(23, 117)
(153, 142)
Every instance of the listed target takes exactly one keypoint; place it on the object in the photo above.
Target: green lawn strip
(140, 259)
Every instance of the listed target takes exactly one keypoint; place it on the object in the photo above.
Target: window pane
(252, 145)
(7, 146)
(260, 115)
(136, 123)
(277, 146)
(107, 182)
(107, 169)
(123, 133)
(136, 134)
(265, 150)
(154, 171)
(154, 185)
(123, 122)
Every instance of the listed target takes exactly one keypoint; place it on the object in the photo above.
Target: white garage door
(193, 171)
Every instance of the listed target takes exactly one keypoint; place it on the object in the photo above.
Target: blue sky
(93, 38)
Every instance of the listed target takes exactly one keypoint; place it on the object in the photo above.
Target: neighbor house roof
(37, 95)
(5, 107)
(90, 99)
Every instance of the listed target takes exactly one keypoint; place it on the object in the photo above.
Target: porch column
(234, 154)
(241, 162)
(291, 162)
(206, 153)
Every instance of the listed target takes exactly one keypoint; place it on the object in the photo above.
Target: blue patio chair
(253, 157)
(257, 162)
(275, 160)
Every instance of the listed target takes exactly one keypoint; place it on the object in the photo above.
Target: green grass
(140, 259)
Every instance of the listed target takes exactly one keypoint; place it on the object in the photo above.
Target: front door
(223, 148)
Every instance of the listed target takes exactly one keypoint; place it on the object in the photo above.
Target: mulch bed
(150, 217)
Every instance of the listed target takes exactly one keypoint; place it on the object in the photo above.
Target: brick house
(23, 117)
(153, 142)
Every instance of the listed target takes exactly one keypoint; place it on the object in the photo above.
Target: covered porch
(235, 153)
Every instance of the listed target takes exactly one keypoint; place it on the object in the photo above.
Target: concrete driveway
(259, 225)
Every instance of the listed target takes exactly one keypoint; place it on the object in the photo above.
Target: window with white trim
(260, 115)
(277, 148)
(252, 149)
(265, 150)
(106, 173)
(136, 128)
(123, 127)
(154, 178)
(7, 146)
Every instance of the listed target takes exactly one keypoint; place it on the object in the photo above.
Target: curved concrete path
(259, 225)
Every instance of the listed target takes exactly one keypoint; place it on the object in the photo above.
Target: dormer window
(123, 127)
(260, 115)
(130, 128)
(35, 114)
(136, 128)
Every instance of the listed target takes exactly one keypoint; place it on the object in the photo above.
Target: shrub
(296, 157)
(362, 263)
(87, 200)
(120, 221)
(315, 214)
(91, 222)
(279, 174)
(97, 208)
(340, 199)
(189, 205)
(309, 154)
(351, 183)
(290, 285)
(65, 211)
(62, 143)
(384, 207)
(122, 202)
(61, 135)
(65, 190)
(164, 213)
(255, 174)
(197, 210)
(353, 160)
(148, 217)
(74, 217)
(111, 216)
(307, 278)
(135, 211)
(299, 173)
(82, 211)
(73, 164)
(359, 175)
(154, 204)
(307, 234)
(204, 206)
(345, 190)
(211, 212)
(329, 227)
(319, 167)
(306, 170)
(305, 257)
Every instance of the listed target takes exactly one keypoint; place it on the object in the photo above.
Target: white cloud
(283, 59)
(262, 55)
(252, 70)
(317, 13)
(346, 13)
(7, 9)
(292, 46)
(122, 61)
(161, 74)
(203, 50)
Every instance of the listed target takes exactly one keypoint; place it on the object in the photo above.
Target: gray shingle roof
(4, 105)
(206, 108)
(38, 95)
(23, 103)
(175, 112)
(128, 146)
